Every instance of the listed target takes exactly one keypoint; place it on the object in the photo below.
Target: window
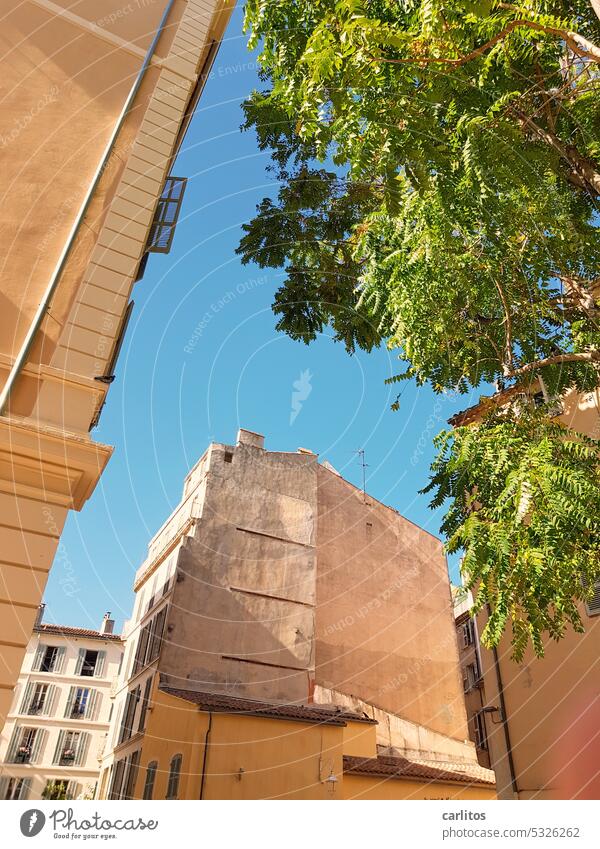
(166, 215)
(468, 632)
(174, 771)
(117, 779)
(140, 654)
(593, 605)
(149, 782)
(38, 699)
(25, 745)
(480, 735)
(48, 658)
(71, 748)
(131, 703)
(132, 768)
(81, 703)
(228, 457)
(157, 635)
(471, 678)
(14, 788)
(90, 663)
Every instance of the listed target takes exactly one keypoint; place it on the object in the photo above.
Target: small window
(468, 631)
(80, 702)
(149, 782)
(88, 667)
(471, 678)
(593, 604)
(228, 457)
(174, 772)
(49, 659)
(480, 735)
(166, 215)
(38, 700)
(16, 788)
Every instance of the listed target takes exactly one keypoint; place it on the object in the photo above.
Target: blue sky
(171, 398)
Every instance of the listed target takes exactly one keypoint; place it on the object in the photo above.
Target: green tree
(439, 185)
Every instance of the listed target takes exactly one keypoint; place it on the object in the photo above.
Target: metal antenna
(361, 454)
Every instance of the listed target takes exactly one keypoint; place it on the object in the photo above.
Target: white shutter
(82, 748)
(25, 789)
(37, 660)
(100, 661)
(59, 747)
(80, 659)
(27, 698)
(70, 701)
(93, 699)
(50, 700)
(38, 745)
(60, 660)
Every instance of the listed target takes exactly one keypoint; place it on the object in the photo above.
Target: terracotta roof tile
(388, 767)
(69, 631)
(217, 702)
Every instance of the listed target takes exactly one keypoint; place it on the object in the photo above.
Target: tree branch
(583, 357)
(577, 43)
(507, 359)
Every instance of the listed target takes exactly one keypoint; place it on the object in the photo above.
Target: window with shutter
(167, 211)
(60, 660)
(100, 662)
(132, 768)
(59, 747)
(174, 772)
(145, 702)
(117, 780)
(81, 750)
(27, 698)
(37, 660)
(37, 746)
(593, 604)
(149, 782)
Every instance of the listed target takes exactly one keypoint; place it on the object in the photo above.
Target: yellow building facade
(208, 746)
(95, 109)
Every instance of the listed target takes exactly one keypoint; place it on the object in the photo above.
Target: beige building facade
(54, 736)
(276, 580)
(543, 714)
(96, 101)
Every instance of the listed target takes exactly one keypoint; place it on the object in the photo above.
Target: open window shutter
(3, 787)
(80, 659)
(59, 747)
(91, 711)
(27, 698)
(100, 663)
(166, 215)
(14, 744)
(50, 701)
(25, 789)
(70, 701)
(37, 660)
(60, 660)
(82, 748)
(593, 605)
(38, 745)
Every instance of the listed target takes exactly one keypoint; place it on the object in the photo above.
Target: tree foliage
(438, 190)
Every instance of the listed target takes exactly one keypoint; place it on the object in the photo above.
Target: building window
(38, 699)
(480, 735)
(228, 457)
(149, 782)
(14, 788)
(88, 666)
(23, 754)
(132, 768)
(81, 703)
(117, 779)
(90, 663)
(468, 632)
(174, 772)
(71, 748)
(166, 215)
(471, 677)
(593, 605)
(131, 703)
(47, 658)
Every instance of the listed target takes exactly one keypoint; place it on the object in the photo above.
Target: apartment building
(56, 729)
(275, 581)
(469, 655)
(542, 715)
(96, 102)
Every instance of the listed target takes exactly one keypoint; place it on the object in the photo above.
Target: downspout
(59, 268)
(205, 756)
(509, 755)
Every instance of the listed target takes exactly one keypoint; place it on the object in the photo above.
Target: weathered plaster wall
(384, 625)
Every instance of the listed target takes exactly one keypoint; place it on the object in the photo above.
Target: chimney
(107, 624)
(248, 437)
(40, 615)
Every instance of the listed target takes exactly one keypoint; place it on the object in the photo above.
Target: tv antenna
(361, 454)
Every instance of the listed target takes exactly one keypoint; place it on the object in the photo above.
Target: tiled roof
(216, 702)
(68, 631)
(388, 767)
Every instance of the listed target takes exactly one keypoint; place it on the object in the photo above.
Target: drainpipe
(59, 268)
(205, 756)
(509, 755)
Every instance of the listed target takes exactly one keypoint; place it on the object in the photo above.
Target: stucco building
(97, 98)
(277, 581)
(543, 714)
(55, 733)
(469, 656)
